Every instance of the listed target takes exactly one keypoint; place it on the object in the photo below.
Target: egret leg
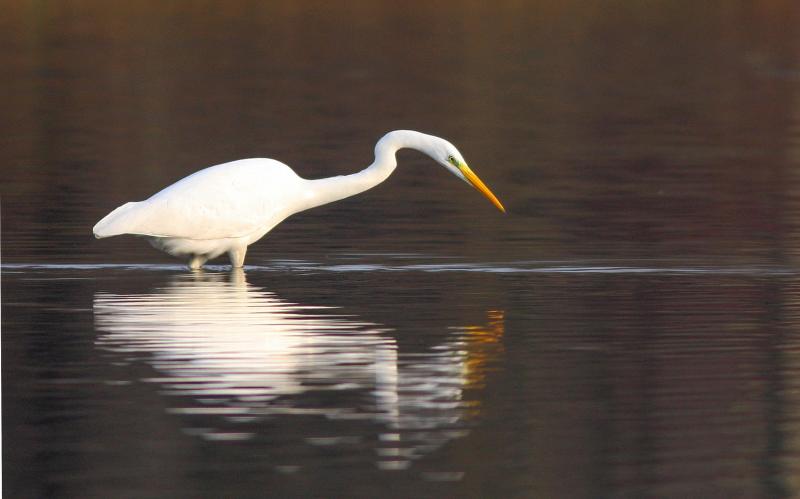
(237, 257)
(197, 262)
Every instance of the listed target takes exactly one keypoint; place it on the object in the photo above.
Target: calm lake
(630, 328)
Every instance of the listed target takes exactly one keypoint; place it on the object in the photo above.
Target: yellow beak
(478, 184)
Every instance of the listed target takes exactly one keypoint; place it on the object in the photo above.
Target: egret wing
(224, 201)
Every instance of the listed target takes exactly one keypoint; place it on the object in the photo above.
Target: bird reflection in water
(232, 355)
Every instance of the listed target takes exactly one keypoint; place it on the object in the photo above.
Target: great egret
(227, 207)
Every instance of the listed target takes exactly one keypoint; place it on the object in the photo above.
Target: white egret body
(227, 207)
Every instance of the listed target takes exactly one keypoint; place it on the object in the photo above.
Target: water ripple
(513, 267)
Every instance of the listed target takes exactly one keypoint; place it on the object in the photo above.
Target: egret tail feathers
(115, 223)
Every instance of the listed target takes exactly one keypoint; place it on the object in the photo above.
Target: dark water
(630, 328)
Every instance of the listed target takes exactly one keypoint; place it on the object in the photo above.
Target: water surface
(628, 329)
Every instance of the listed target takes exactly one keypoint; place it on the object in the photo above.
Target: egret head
(448, 156)
(440, 150)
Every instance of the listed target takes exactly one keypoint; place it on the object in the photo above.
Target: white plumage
(227, 207)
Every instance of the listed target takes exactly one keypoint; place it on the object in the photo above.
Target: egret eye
(452, 160)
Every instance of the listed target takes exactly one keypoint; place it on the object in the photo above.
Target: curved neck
(327, 190)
